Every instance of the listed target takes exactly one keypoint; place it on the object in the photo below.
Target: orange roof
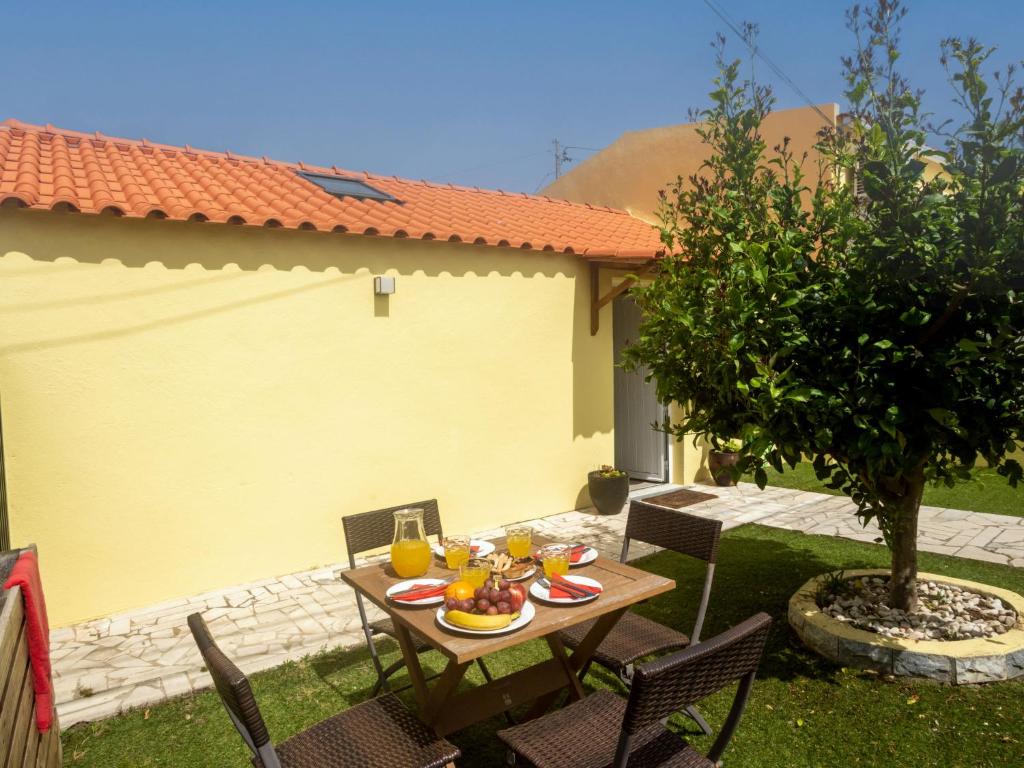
(45, 167)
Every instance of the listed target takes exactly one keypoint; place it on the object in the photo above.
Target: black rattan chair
(372, 530)
(379, 733)
(606, 730)
(634, 636)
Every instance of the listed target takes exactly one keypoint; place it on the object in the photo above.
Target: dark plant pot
(608, 494)
(719, 463)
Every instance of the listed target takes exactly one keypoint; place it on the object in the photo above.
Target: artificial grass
(804, 712)
(984, 492)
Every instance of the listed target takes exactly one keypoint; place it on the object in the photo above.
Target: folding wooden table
(447, 709)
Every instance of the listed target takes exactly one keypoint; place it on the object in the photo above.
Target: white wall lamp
(383, 285)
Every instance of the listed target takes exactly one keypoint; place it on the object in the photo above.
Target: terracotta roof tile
(46, 167)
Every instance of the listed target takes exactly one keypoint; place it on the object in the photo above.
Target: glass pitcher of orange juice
(410, 552)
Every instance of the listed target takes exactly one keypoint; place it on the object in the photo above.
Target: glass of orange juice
(456, 551)
(475, 571)
(556, 559)
(518, 539)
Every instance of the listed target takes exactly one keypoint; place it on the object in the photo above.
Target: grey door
(640, 450)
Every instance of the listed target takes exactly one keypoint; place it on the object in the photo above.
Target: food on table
(475, 571)
(460, 590)
(555, 558)
(506, 566)
(495, 600)
(479, 621)
(518, 539)
(410, 557)
(456, 551)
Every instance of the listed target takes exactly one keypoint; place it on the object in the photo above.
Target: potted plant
(609, 489)
(721, 460)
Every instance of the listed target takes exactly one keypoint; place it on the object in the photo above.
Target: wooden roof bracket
(597, 300)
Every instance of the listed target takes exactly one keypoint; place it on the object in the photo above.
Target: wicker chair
(372, 530)
(634, 636)
(606, 730)
(380, 733)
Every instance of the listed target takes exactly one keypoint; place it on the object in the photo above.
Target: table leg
(412, 664)
(578, 660)
(576, 691)
(443, 689)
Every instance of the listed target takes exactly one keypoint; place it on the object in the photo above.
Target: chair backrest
(681, 532)
(672, 529)
(675, 681)
(235, 694)
(22, 742)
(375, 529)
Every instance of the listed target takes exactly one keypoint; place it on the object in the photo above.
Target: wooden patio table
(447, 709)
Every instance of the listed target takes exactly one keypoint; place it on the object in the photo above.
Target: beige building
(629, 172)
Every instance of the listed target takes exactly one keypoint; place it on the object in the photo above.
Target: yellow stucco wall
(191, 406)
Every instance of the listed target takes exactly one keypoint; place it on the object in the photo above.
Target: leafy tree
(875, 328)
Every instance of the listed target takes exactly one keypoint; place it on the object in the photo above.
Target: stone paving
(140, 658)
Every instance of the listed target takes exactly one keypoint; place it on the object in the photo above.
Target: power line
(721, 13)
(562, 155)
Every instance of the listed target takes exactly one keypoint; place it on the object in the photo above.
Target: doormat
(679, 499)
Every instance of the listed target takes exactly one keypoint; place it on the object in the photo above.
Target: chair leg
(626, 675)
(690, 711)
(583, 671)
(382, 683)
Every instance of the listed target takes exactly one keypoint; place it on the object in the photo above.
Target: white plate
(589, 555)
(407, 584)
(525, 617)
(484, 548)
(526, 575)
(544, 594)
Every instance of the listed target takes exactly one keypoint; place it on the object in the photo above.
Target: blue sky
(468, 92)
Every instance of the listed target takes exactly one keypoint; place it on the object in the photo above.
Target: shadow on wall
(703, 474)
(235, 254)
(583, 498)
(177, 244)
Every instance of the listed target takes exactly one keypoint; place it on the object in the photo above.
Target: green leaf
(915, 316)
(945, 417)
(884, 344)
(914, 169)
(1005, 170)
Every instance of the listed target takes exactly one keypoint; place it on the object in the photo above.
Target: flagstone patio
(139, 658)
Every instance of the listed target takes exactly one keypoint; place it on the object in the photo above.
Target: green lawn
(985, 492)
(804, 711)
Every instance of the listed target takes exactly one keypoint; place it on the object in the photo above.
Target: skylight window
(339, 186)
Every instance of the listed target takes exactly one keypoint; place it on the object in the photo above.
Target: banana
(478, 621)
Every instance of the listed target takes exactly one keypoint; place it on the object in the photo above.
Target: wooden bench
(21, 744)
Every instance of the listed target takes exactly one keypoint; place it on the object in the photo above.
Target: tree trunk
(903, 586)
